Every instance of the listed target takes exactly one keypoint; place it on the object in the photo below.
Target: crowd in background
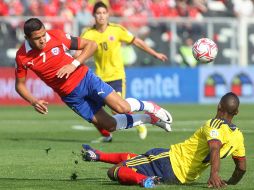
(138, 11)
(122, 8)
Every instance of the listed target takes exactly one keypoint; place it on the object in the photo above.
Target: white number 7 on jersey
(43, 57)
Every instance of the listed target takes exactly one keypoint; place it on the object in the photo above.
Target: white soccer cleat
(158, 122)
(162, 114)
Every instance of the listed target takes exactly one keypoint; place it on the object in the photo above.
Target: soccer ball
(204, 50)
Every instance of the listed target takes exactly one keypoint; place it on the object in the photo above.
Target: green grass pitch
(40, 151)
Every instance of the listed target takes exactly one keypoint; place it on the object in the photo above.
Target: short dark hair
(32, 25)
(230, 103)
(98, 5)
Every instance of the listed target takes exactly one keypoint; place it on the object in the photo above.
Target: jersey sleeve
(20, 70)
(125, 35)
(240, 151)
(69, 41)
(212, 133)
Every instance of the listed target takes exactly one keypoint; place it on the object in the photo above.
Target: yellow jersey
(109, 64)
(190, 158)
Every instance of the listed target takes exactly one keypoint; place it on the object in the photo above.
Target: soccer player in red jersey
(44, 52)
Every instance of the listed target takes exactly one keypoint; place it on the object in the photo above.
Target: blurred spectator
(65, 12)
(162, 8)
(117, 7)
(243, 8)
(84, 15)
(15, 8)
(188, 29)
(4, 9)
(185, 9)
(220, 8)
(36, 8)
(201, 6)
(137, 15)
(51, 8)
(186, 58)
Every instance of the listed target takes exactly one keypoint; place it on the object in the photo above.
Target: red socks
(127, 176)
(104, 132)
(114, 158)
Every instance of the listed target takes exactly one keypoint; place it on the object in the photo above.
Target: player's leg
(100, 91)
(125, 175)
(120, 87)
(106, 136)
(91, 154)
(88, 99)
(138, 173)
(119, 121)
(120, 105)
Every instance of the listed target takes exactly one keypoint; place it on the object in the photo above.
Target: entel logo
(155, 87)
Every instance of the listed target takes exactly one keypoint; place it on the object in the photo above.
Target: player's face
(101, 16)
(37, 39)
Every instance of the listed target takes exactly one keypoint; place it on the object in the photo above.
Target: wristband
(75, 62)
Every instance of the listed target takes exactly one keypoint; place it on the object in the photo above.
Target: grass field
(25, 136)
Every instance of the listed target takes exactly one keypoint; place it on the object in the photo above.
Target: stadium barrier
(204, 84)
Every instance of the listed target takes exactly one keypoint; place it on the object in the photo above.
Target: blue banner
(163, 84)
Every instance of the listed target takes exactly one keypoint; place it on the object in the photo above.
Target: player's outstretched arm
(215, 180)
(142, 45)
(39, 105)
(240, 169)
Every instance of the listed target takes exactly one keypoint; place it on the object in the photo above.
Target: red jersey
(45, 63)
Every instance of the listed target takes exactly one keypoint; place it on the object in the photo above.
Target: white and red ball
(204, 50)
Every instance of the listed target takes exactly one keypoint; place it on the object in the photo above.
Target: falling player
(44, 52)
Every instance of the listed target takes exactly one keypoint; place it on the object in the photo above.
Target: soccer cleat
(89, 154)
(158, 122)
(161, 113)
(103, 139)
(150, 182)
(142, 131)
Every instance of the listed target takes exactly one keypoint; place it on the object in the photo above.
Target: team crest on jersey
(55, 51)
(111, 38)
(214, 133)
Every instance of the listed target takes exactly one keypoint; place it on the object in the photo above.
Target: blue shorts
(155, 162)
(88, 97)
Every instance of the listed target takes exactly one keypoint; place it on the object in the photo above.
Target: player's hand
(161, 57)
(41, 106)
(65, 71)
(216, 182)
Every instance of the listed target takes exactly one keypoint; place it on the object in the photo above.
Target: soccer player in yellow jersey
(109, 64)
(184, 162)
